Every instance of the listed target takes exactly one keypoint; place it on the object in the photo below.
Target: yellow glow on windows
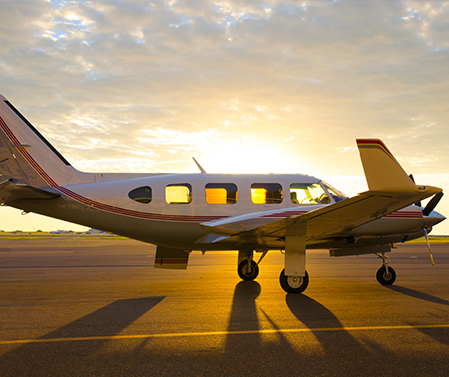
(266, 193)
(178, 193)
(216, 195)
(259, 195)
(221, 193)
(308, 193)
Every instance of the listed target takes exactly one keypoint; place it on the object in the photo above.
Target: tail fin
(27, 157)
(382, 171)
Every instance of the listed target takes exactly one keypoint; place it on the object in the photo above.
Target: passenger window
(266, 193)
(178, 193)
(141, 194)
(221, 193)
(308, 193)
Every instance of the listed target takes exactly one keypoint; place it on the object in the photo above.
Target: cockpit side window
(308, 193)
(141, 194)
(178, 193)
(266, 193)
(221, 193)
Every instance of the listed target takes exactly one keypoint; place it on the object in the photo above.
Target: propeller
(426, 212)
(432, 204)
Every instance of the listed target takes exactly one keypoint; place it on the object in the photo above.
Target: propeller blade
(413, 180)
(428, 245)
(432, 204)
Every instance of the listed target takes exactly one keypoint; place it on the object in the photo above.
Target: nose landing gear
(248, 270)
(385, 275)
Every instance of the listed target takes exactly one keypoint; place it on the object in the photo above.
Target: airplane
(255, 213)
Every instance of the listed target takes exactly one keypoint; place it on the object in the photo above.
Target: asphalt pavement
(84, 306)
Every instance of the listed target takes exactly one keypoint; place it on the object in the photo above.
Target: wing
(10, 191)
(390, 189)
(326, 221)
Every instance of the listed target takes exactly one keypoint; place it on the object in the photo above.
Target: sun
(252, 157)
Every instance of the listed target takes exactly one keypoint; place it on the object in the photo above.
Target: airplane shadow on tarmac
(316, 316)
(245, 348)
(435, 333)
(417, 294)
(104, 322)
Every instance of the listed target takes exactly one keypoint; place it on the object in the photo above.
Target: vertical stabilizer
(27, 157)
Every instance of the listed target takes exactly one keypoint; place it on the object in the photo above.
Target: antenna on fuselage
(199, 166)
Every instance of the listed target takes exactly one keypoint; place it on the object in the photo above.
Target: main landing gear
(385, 275)
(294, 284)
(248, 270)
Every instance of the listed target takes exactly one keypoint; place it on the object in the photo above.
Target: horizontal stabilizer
(10, 191)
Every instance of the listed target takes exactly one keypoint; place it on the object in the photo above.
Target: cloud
(137, 81)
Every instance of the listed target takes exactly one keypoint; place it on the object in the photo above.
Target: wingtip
(373, 142)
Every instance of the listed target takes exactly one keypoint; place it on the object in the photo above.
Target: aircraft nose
(433, 218)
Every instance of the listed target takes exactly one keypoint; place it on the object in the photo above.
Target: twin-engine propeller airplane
(249, 213)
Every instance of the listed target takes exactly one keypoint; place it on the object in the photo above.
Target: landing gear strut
(293, 284)
(385, 275)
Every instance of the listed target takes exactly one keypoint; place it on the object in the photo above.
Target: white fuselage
(108, 206)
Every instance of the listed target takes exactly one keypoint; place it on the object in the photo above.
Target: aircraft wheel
(246, 273)
(384, 278)
(294, 284)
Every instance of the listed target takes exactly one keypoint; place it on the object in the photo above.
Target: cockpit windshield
(338, 196)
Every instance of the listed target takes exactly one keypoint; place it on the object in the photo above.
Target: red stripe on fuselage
(405, 215)
(8, 132)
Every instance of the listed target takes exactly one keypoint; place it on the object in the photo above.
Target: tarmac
(94, 306)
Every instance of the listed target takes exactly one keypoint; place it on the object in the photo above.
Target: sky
(242, 86)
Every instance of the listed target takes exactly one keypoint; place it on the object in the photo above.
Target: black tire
(246, 274)
(384, 278)
(293, 284)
